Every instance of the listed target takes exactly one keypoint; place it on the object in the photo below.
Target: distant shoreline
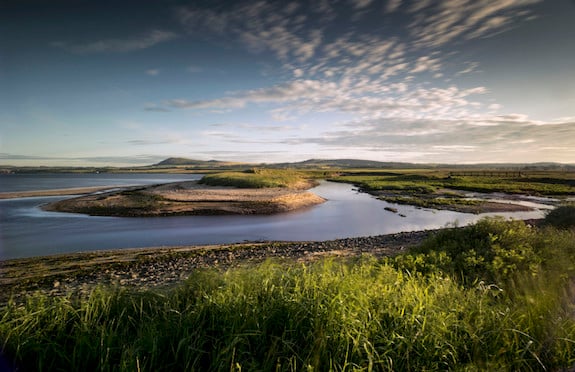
(55, 192)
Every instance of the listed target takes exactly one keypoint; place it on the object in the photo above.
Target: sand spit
(187, 198)
(55, 192)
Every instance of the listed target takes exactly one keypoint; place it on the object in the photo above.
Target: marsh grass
(507, 308)
(256, 178)
(408, 183)
(431, 202)
(426, 182)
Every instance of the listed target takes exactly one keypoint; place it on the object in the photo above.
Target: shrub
(562, 217)
(493, 250)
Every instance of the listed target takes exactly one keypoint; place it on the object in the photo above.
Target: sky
(126, 83)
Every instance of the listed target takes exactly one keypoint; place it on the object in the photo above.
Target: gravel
(79, 273)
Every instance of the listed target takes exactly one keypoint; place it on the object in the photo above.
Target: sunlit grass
(256, 178)
(494, 296)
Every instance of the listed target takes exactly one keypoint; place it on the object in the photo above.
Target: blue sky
(427, 81)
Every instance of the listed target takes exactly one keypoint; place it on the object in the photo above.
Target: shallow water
(49, 181)
(27, 231)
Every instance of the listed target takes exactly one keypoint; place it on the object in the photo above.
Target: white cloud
(118, 45)
(296, 90)
(360, 4)
(377, 78)
(426, 63)
(152, 72)
(260, 26)
(470, 67)
(462, 140)
(442, 22)
(392, 6)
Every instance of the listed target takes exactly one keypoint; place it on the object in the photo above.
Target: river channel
(26, 230)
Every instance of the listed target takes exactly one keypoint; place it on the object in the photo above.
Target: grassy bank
(442, 189)
(258, 178)
(493, 296)
(427, 182)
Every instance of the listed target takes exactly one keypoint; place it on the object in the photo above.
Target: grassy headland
(493, 296)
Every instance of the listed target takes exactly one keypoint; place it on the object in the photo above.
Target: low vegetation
(562, 217)
(437, 203)
(442, 189)
(428, 182)
(492, 296)
(514, 185)
(403, 183)
(258, 178)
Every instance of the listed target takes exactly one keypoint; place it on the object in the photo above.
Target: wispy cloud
(464, 139)
(384, 79)
(437, 23)
(153, 72)
(143, 41)
(152, 107)
(296, 90)
(392, 6)
(141, 159)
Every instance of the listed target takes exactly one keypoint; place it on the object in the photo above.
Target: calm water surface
(29, 182)
(27, 231)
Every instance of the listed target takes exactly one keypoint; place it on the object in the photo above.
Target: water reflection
(26, 230)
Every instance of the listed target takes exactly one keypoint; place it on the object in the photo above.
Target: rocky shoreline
(79, 273)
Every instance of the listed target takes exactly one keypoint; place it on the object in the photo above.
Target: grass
(427, 182)
(256, 178)
(431, 202)
(493, 296)
(406, 184)
(525, 185)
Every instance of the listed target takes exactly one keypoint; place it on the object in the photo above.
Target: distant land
(180, 164)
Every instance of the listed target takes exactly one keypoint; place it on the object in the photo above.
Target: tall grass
(341, 315)
(255, 178)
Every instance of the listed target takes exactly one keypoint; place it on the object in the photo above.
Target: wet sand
(55, 192)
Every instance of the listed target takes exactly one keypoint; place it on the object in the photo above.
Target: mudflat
(189, 198)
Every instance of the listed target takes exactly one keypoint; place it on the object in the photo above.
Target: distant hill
(346, 163)
(174, 162)
(356, 164)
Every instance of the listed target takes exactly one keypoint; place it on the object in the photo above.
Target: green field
(493, 296)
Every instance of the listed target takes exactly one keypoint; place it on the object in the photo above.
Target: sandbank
(187, 198)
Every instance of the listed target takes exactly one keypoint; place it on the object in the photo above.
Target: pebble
(165, 268)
